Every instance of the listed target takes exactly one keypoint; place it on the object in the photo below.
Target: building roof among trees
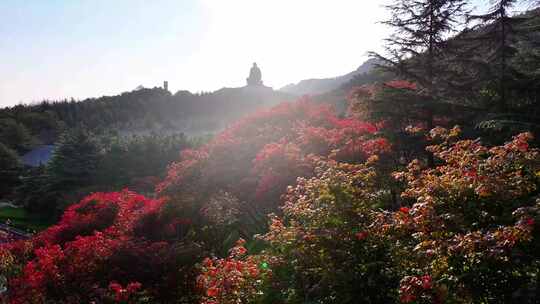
(38, 156)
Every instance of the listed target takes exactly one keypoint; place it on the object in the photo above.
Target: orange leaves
(404, 210)
(472, 169)
(231, 279)
(472, 209)
(401, 84)
(213, 292)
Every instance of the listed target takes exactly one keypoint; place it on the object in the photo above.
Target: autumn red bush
(287, 133)
(92, 253)
(232, 279)
(253, 161)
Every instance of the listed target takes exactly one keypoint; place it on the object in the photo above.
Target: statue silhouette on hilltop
(255, 77)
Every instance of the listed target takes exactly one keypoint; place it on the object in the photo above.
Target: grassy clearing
(21, 220)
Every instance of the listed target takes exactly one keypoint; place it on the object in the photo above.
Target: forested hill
(54, 153)
(140, 110)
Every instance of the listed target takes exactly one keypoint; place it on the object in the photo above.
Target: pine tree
(15, 135)
(506, 63)
(418, 50)
(35, 194)
(496, 34)
(419, 45)
(10, 167)
(74, 160)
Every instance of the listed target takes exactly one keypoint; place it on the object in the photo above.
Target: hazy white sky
(87, 48)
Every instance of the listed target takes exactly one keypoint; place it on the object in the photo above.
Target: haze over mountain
(323, 85)
(145, 110)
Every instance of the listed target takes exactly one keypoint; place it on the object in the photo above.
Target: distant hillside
(324, 85)
(136, 112)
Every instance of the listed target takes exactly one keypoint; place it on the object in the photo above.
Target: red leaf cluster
(231, 279)
(94, 249)
(258, 157)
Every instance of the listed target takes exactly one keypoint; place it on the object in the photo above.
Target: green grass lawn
(21, 220)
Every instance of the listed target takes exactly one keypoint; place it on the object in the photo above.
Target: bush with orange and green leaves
(470, 223)
(466, 232)
(235, 278)
(325, 241)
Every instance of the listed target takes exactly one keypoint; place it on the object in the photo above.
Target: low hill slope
(323, 85)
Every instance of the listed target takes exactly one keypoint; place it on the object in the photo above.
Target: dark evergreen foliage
(74, 160)
(496, 34)
(84, 162)
(418, 48)
(15, 135)
(138, 162)
(10, 167)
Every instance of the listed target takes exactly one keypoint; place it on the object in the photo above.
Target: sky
(56, 49)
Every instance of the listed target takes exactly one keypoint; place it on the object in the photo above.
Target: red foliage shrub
(232, 279)
(257, 158)
(94, 249)
(122, 294)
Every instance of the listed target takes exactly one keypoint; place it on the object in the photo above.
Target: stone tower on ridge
(255, 76)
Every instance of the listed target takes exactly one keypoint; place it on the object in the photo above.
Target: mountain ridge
(314, 86)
